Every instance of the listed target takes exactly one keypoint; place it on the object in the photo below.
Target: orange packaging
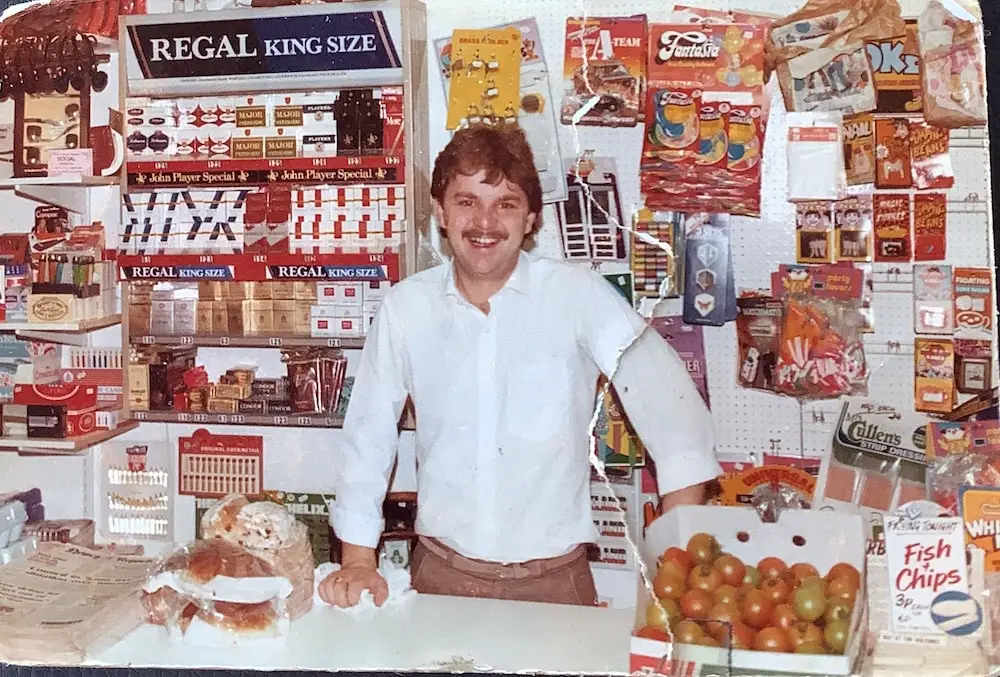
(930, 161)
(930, 226)
(981, 514)
(740, 487)
(605, 57)
(934, 375)
(859, 149)
(710, 57)
(892, 153)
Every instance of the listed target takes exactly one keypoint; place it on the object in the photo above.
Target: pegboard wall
(746, 421)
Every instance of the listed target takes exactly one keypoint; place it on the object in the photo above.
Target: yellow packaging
(485, 76)
(981, 515)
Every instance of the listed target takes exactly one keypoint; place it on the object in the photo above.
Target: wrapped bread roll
(271, 533)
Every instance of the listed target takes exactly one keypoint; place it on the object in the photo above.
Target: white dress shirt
(503, 404)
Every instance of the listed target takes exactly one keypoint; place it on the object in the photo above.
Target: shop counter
(427, 632)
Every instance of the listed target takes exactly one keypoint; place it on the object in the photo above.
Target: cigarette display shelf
(270, 341)
(69, 192)
(80, 327)
(68, 446)
(287, 421)
(306, 171)
(248, 267)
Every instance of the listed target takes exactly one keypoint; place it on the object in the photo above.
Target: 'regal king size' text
(240, 46)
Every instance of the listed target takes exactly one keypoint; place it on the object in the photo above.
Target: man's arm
(364, 458)
(658, 395)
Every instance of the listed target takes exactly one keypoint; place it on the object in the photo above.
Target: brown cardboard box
(220, 318)
(258, 317)
(303, 317)
(139, 315)
(185, 317)
(282, 291)
(237, 323)
(207, 290)
(259, 291)
(283, 316)
(305, 291)
(51, 308)
(204, 316)
(237, 291)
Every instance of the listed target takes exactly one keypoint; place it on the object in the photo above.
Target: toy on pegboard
(590, 220)
(485, 77)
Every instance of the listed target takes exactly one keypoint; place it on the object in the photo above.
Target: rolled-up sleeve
(660, 398)
(364, 458)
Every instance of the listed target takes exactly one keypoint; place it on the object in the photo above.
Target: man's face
(485, 225)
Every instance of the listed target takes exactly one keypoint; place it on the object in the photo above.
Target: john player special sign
(260, 45)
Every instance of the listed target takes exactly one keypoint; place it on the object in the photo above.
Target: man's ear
(438, 214)
(529, 223)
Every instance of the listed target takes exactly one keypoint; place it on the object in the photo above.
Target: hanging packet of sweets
(953, 63)
(859, 149)
(821, 353)
(853, 220)
(758, 331)
(930, 226)
(930, 159)
(892, 227)
(934, 375)
(706, 270)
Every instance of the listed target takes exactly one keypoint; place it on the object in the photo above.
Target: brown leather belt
(531, 569)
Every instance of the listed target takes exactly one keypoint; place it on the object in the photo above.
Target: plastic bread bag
(953, 64)
(833, 23)
(215, 593)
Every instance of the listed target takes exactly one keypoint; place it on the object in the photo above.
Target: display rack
(278, 134)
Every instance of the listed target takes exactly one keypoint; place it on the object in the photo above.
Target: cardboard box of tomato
(787, 597)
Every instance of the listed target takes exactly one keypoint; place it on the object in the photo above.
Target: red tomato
(727, 593)
(653, 633)
(844, 569)
(703, 548)
(809, 603)
(835, 635)
(666, 585)
(802, 571)
(783, 616)
(688, 632)
(804, 633)
(732, 569)
(771, 639)
(679, 555)
(771, 567)
(843, 587)
(776, 589)
(696, 603)
(756, 609)
(721, 618)
(752, 577)
(674, 567)
(742, 637)
(705, 577)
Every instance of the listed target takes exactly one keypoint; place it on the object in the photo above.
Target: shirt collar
(518, 280)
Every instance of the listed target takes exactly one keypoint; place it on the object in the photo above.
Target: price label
(148, 340)
(201, 418)
(183, 418)
(187, 340)
(224, 341)
(305, 421)
(280, 420)
(274, 342)
(239, 419)
(333, 343)
(206, 259)
(139, 415)
(222, 418)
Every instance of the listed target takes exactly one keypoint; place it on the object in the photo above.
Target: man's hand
(358, 573)
(694, 495)
(343, 588)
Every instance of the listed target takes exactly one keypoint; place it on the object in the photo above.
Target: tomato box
(818, 538)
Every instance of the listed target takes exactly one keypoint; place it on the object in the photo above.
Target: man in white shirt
(500, 352)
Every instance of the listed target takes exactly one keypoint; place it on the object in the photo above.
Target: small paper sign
(71, 162)
(926, 564)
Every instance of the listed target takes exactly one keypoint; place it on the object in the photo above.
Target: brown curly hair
(504, 154)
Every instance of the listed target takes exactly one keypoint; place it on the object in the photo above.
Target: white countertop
(427, 632)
